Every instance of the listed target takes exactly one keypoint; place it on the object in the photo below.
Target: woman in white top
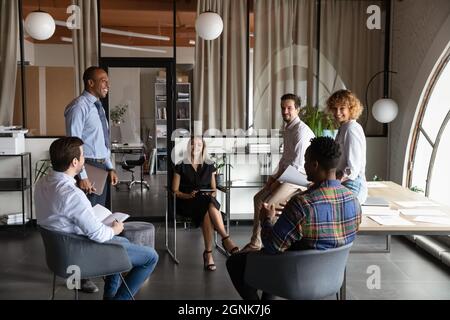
(346, 109)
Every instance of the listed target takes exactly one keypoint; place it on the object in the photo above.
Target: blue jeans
(143, 259)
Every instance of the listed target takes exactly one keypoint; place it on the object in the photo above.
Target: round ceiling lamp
(209, 25)
(385, 110)
(40, 25)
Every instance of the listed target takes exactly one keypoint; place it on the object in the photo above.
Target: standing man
(86, 119)
(296, 139)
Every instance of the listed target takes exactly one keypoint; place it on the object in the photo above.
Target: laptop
(376, 201)
(97, 177)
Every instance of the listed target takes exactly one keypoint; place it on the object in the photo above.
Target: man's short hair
(89, 74)
(63, 151)
(325, 151)
(291, 96)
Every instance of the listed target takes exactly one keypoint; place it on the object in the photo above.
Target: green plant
(377, 178)
(42, 167)
(219, 163)
(416, 189)
(317, 120)
(118, 112)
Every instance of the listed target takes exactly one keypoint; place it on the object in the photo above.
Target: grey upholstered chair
(299, 275)
(94, 259)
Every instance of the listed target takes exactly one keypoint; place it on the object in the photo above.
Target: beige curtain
(351, 54)
(85, 41)
(9, 42)
(220, 69)
(283, 56)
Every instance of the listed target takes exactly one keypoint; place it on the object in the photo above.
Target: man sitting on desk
(296, 138)
(327, 215)
(63, 207)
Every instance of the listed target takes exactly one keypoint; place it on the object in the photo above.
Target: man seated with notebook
(327, 215)
(62, 206)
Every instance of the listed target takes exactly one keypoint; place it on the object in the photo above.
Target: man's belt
(101, 161)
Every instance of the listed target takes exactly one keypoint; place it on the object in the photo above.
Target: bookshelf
(183, 119)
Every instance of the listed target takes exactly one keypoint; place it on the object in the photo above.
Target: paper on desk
(415, 204)
(376, 184)
(434, 220)
(422, 212)
(391, 221)
(292, 175)
(378, 211)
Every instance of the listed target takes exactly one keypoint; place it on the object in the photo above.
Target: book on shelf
(183, 94)
(161, 98)
(107, 217)
(161, 131)
(162, 114)
(13, 219)
(258, 148)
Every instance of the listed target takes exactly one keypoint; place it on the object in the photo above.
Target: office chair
(94, 259)
(129, 165)
(298, 275)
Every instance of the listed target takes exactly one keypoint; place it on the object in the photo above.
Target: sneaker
(88, 286)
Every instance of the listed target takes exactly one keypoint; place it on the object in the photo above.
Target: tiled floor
(406, 272)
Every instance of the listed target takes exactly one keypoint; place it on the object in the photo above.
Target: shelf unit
(183, 116)
(24, 185)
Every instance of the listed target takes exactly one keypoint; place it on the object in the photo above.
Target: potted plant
(321, 123)
(117, 114)
(219, 164)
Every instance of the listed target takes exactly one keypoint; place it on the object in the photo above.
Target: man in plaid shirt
(325, 216)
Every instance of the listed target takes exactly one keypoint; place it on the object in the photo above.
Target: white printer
(12, 140)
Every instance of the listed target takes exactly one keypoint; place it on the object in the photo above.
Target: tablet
(97, 177)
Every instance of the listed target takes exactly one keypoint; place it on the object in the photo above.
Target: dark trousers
(104, 198)
(236, 269)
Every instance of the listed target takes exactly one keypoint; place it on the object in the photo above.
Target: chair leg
(53, 291)
(76, 294)
(126, 286)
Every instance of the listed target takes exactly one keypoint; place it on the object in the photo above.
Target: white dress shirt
(296, 139)
(352, 141)
(62, 206)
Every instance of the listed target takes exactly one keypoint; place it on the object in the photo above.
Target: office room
(229, 139)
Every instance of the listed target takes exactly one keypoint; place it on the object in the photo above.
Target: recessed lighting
(192, 42)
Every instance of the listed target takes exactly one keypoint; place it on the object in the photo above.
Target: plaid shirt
(324, 216)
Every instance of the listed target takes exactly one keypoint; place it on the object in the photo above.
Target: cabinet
(22, 184)
(183, 119)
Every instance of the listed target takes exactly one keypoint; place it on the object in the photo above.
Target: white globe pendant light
(385, 110)
(40, 25)
(209, 25)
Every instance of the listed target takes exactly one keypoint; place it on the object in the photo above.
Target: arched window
(430, 155)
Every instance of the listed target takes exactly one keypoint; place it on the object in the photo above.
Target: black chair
(93, 259)
(129, 165)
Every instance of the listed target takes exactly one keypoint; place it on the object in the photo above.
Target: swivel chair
(129, 165)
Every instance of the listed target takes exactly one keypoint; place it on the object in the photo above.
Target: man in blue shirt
(86, 119)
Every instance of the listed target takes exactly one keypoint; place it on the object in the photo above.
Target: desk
(393, 192)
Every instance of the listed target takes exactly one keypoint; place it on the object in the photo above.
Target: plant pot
(329, 133)
(219, 179)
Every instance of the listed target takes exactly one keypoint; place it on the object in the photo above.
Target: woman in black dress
(194, 185)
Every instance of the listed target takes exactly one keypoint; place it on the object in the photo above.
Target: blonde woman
(346, 109)
(194, 185)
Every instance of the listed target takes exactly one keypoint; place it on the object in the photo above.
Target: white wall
(421, 32)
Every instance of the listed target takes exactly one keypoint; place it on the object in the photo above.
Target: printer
(12, 140)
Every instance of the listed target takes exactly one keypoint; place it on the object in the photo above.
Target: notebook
(97, 177)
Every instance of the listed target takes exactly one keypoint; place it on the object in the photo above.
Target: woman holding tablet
(194, 185)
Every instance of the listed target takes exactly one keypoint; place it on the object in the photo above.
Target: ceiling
(154, 17)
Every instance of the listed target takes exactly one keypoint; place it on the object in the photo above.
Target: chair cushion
(139, 232)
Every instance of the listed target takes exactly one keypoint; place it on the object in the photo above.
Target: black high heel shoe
(232, 250)
(206, 266)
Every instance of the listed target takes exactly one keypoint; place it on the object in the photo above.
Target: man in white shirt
(63, 207)
(296, 139)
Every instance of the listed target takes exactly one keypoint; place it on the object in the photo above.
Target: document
(97, 177)
(376, 201)
(378, 211)
(422, 212)
(375, 184)
(391, 221)
(415, 204)
(293, 176)
(107, 217)
(434, 220)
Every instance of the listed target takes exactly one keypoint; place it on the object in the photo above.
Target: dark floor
(406, 272)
